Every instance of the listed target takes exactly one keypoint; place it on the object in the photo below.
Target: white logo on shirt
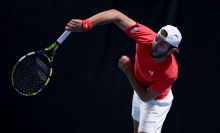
(133, 30)
(151, 73)
(86, 25)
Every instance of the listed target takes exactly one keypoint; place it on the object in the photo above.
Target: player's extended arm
(106, 17)
(145, 94)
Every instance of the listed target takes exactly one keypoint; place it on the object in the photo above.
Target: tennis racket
(33, 71)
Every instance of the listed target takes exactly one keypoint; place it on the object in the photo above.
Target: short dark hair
(165, 34)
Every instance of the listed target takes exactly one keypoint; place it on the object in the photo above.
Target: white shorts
(152, 114)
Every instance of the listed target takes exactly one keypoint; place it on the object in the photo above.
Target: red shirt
(159, 75)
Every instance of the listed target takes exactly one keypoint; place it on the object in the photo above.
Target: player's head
(166, 42)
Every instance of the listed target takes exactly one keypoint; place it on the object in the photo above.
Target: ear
(176, 50)
(173, 50)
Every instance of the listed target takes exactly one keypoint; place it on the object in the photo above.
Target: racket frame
(22, 59)
(53, 46)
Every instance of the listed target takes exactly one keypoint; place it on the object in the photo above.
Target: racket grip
(63, 36)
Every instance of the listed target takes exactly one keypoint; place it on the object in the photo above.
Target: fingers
(125, 58)
(119, 62)
(71, 23)
(123, 62)
(69, 26)
(74, 25)
(75, 22)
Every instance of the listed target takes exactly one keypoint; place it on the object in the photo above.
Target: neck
(160, 59)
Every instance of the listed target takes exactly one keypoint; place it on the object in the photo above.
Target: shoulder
(141, 33)
(137, 28)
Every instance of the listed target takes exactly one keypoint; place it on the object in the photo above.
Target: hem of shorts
(135, 119)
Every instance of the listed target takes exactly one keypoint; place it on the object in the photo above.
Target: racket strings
(31, 74)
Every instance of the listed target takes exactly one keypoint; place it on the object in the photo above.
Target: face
(160, 48)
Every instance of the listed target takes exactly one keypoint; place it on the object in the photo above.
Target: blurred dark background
(88, 93)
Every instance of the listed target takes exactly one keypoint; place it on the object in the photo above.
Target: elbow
(145, 100)
(114, 10)
(115, 14)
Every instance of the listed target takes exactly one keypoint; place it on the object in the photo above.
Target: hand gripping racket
(33, 71)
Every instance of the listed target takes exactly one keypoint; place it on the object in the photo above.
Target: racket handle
(63, 36)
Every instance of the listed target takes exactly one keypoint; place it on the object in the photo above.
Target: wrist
(128, 72)
(86, 25)
(127, 67)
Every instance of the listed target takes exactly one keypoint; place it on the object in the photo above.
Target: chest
(146, 70)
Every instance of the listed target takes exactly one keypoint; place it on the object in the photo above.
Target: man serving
(155, 68)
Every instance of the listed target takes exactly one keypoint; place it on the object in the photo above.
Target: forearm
(140, 90)
(145, 94)
(121, 20)
(112, 16)
(104, 17)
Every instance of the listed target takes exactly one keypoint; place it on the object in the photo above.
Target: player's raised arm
(106, 17)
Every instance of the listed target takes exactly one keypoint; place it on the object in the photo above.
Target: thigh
(135, 107)
(148, 117)
(136, 125)
(153, 114)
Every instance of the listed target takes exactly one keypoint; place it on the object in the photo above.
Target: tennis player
(155, 68)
